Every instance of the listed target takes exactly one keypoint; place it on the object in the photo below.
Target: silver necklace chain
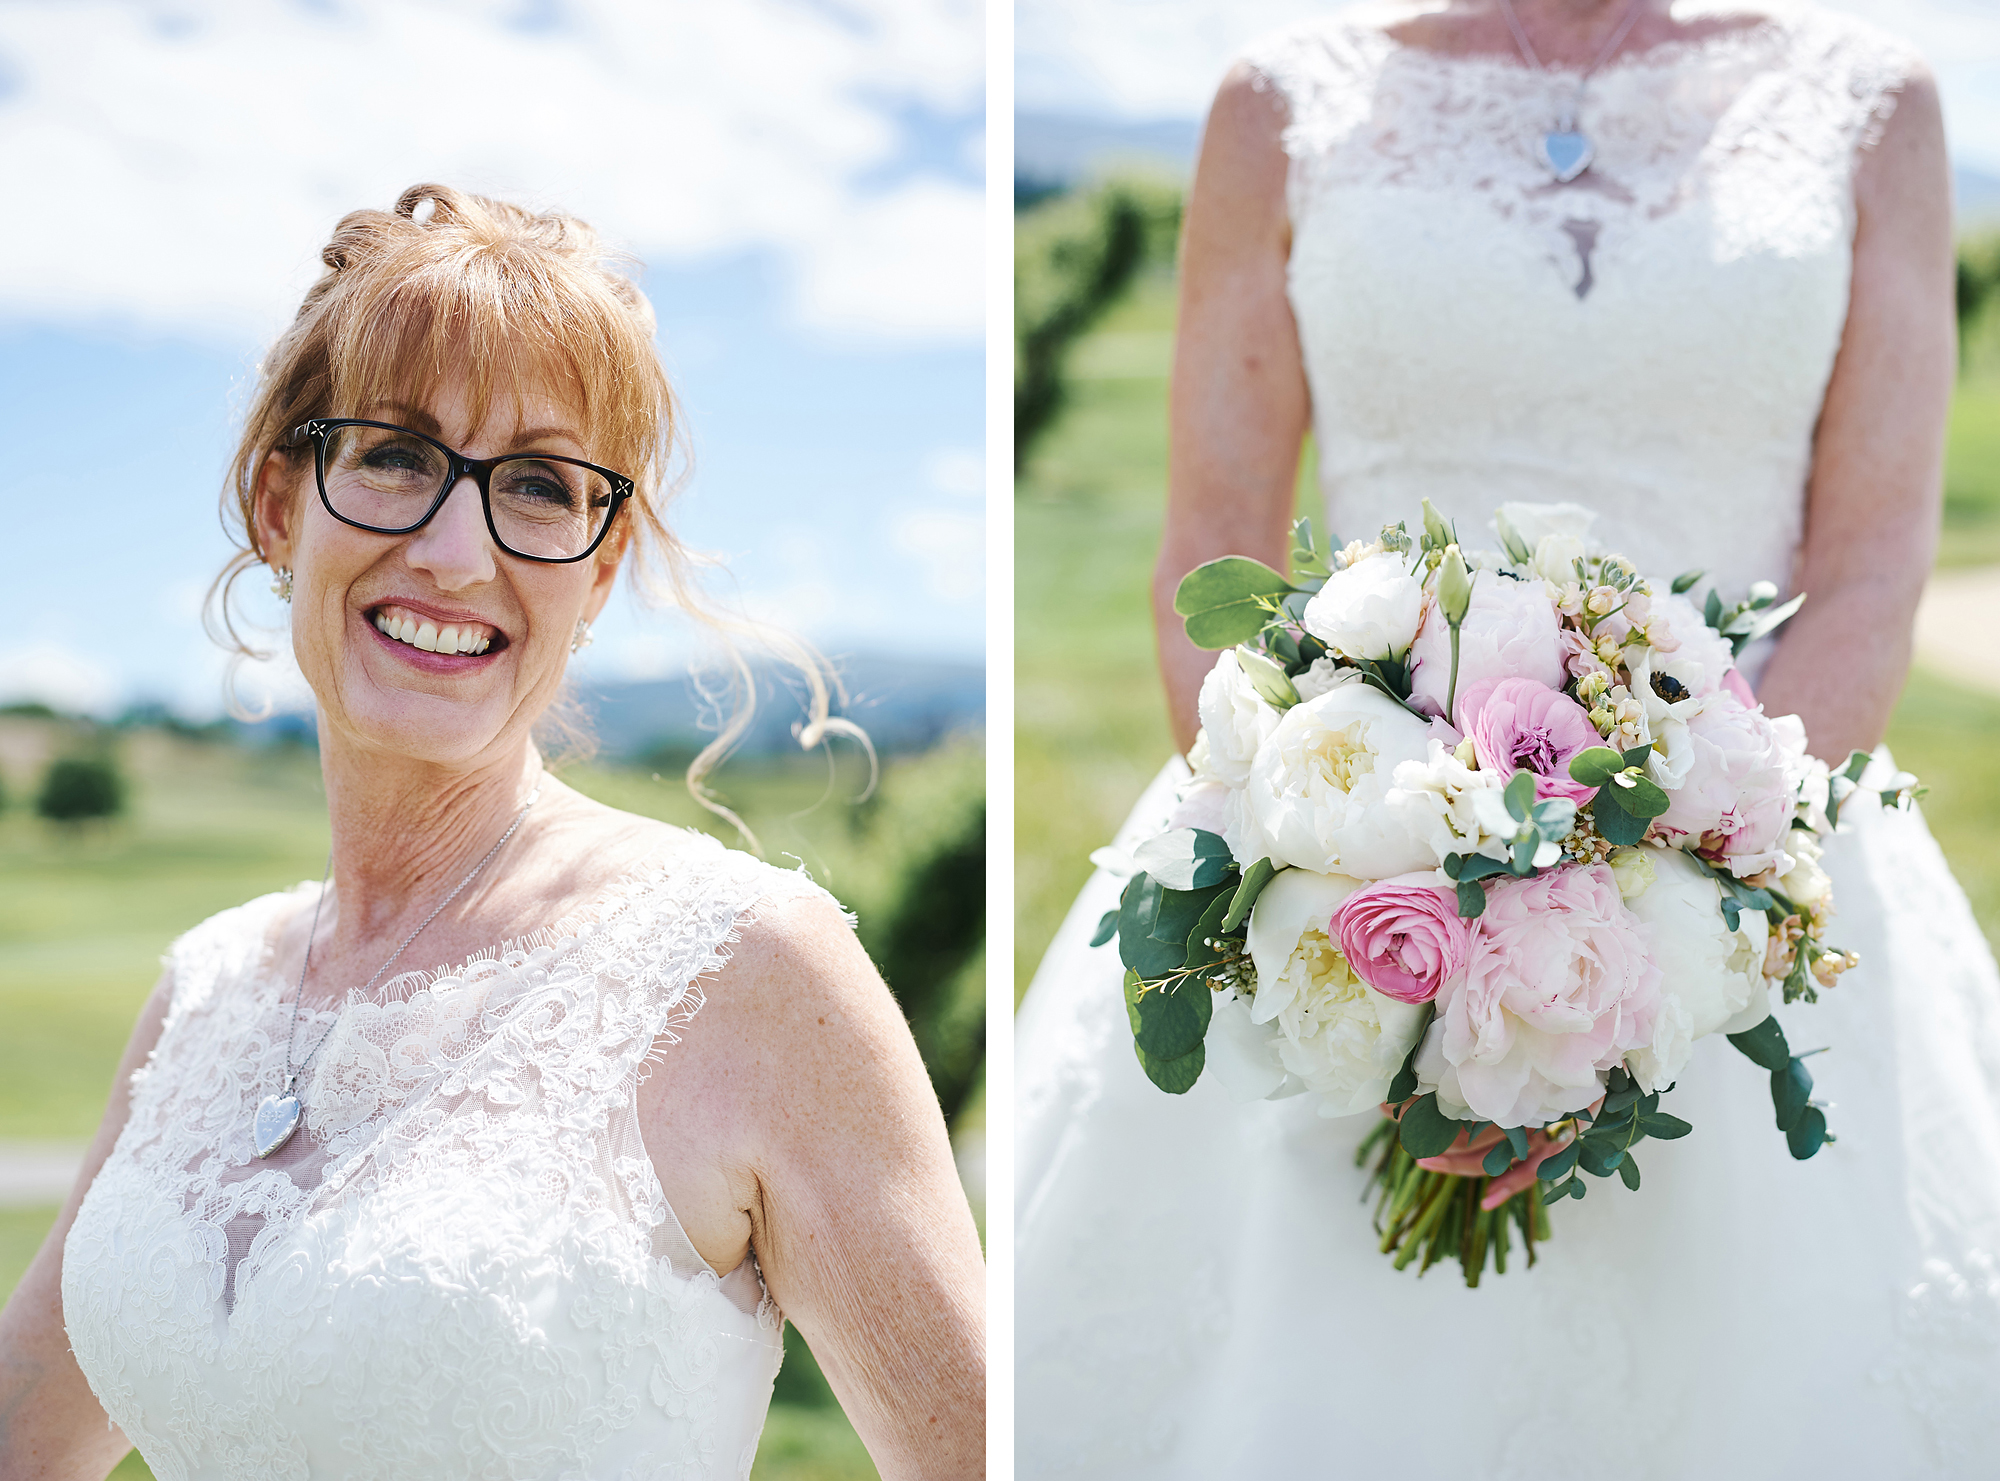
(291, 1041)
(1527, 47)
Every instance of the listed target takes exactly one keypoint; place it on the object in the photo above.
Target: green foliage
(1801, 1120)
(1074, 256)
(82, 788)
(1185, 859)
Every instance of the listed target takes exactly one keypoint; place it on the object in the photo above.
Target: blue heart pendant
(1567, 153)
(276, 1119)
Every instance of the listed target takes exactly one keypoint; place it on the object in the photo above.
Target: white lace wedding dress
(462, 1265)
(1198, 1288)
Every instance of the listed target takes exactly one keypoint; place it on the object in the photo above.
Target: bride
(1691, 268)
(534, 1214)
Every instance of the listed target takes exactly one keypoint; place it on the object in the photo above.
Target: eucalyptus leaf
(1517, 1139)
(1644, 798)
(1711, 611)
(1175, 1076)
(1225, 582)
(1638, 755)
(1180, 911)
(1138, 909)
(1168, 1023)
(1471, 899)
(1594, 767)
(1663, 1127)
(1425, 1131)
(1791, 1092)
(1225, 627)
(1255, 878)
(1107, 927)
(1499, 1157)
(1809, 1135)
(1686, 580)
(1772, 618)
(1520, 795)
(1764, 1044)
(1185, 859)
(1614, 821)
(1629, 1171)
(1557, 1165)
(1199, 953)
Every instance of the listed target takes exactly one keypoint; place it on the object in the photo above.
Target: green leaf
(1857, 763)
(1425, 1131)
(1225, 627)
(1179, 913)
(1199, 953)
(1168, 1024)
(1638, 755)
(1107, 927)
(1629, 1171)
(1594, 767)
(1765, 1044)
(1598, 1158)
(1472, 866)
(1558, 1165)
(1711, 612)
(1175, 1076)
(1644, 798)
(1809, 1135)
(1684, 581)
(1614, 821)
(1520, 795)
(1221, 583)
(1499, 1157)
(1138, 949)
(1772, 618)
(1405, 1084)
(1524, 855)
(1791, 1091)
(1255, 878)
(1267, 678)
(1518, 1140)
(1471, 899)
(1664, 1127)
(1185, 859)
(1618, 1100)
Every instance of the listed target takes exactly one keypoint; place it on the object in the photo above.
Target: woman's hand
(1466, 1158)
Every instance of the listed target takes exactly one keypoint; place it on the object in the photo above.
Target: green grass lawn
(84, 919)
(1090, 726)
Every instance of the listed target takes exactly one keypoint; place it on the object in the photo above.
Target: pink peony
(1510, 632)
(1734, 683)
(1559, 987)
(1403, 937)
(1737, 799)
(1518, 724)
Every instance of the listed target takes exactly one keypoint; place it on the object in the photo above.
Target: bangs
(502, 318)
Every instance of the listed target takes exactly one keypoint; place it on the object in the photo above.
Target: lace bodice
(463, 1264)
(1652, 340)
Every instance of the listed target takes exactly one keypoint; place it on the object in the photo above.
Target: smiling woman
(446, 1223)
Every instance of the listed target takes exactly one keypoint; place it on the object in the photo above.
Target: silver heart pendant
(1567, 153)
(277, 1118)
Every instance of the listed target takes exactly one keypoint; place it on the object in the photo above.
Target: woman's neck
(406, 832)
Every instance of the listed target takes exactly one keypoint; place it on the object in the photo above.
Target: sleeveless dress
(1199, 1292)
(462, 1265)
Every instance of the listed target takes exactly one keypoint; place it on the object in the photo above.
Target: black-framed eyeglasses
(389, 480)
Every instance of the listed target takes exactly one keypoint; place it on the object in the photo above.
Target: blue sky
(801, 179)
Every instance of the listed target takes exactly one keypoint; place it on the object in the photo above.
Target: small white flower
(1323, 677)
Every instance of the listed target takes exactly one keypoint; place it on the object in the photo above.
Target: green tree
(80, 788)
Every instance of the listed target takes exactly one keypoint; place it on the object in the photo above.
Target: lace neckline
(624, 890)
(1664, 56)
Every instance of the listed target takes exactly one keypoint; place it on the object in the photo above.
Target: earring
(281, 588)
(582, 640)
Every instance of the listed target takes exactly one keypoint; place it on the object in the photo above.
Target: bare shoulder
(798, 975)
(1904, 175)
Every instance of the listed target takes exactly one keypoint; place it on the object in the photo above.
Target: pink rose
(1403, 937)
(1518, 724)
(1558, 988)
(1738, 796)
(1734, 683)
(1510, 632)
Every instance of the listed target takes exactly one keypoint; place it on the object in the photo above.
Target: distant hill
(905, 704)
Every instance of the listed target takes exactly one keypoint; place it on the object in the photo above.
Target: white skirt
(1199, 1292)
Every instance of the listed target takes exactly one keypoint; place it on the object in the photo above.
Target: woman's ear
(604, 572)
(274, 509)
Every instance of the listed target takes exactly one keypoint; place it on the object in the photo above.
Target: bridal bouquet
(1489, 838)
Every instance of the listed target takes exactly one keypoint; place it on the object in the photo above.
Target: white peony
(1323, 677)
(1369, 610)
(1338, 1036)
(1235, 719)
(1708, 972)
(1450, 806)
(1556, 556)
(1244, 1054)
(1315, 791)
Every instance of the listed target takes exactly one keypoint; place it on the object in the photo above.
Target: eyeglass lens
(387, 479)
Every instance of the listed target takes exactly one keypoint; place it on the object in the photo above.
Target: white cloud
(956, 472)
(1145, 59)
(57, 676)
(949, 549)
(183, 175)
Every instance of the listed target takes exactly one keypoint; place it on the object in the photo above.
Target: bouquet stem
(1426, 1216)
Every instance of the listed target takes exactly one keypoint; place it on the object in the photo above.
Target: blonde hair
(449, 283)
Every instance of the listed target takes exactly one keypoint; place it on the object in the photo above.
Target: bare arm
(1239, 405)
(858, 1219)
(51, 1425)
(1872, 504)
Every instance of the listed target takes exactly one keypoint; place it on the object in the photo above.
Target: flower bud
(1437, 534)
(1454, 586)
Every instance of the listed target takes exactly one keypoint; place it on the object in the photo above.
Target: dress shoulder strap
(1323, 72)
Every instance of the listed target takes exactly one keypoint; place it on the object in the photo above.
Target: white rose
(1710, 971)
(1315, 790)
(1323, 677)
(1235, 719)
(1530, 524)
(1369, 610)
(1439, 801)
(1556, 556)
(1339, 1036)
